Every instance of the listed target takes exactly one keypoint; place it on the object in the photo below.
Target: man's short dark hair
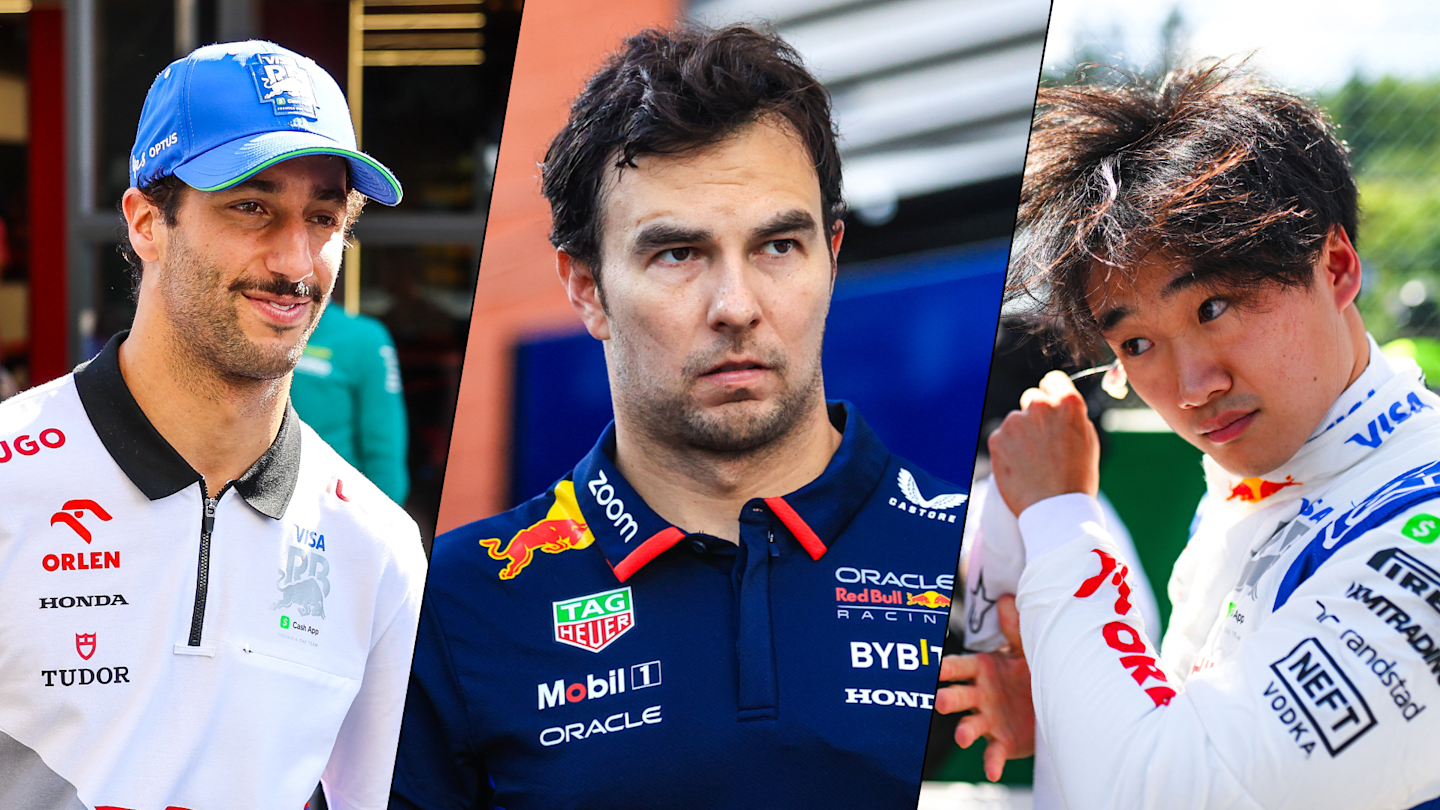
(1208, 166)
(167, 192)
(671, 92)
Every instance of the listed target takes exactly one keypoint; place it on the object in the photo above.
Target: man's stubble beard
(671, 418)
(204, 318)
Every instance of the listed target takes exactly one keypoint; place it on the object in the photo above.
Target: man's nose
(291, 252)
(735, 297)
(1201, 376)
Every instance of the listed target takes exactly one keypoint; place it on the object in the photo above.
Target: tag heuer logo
(592, 622)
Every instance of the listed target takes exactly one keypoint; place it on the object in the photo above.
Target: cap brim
(237, 161)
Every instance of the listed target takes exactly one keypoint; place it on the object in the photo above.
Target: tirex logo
(592, 622)
(593, 687)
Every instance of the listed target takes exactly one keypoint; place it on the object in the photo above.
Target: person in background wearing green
(347, 387)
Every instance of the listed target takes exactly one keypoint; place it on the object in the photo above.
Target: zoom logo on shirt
(615, 510)
(613, 682)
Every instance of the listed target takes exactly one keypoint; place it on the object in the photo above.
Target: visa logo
(1380, 427)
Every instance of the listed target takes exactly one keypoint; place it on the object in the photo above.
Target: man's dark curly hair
(1208, 166)
(672, 92)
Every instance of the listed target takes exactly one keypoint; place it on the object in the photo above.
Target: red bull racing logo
(562, 529)
(592, 622)
(1251, 490)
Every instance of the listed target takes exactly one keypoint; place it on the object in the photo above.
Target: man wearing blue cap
(226, 609)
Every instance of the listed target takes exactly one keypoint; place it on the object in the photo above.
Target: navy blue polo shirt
(580, 651)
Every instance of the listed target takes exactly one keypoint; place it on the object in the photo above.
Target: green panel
(1155, 481)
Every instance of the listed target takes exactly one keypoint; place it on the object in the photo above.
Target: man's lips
(744, 371)
(284, 309)
(1226, 426)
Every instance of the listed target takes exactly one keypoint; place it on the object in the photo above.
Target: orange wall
(561, 43)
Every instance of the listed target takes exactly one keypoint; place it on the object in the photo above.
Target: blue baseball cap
(228, 111)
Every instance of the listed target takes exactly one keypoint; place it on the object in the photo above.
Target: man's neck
(704, 492)
(220, 427)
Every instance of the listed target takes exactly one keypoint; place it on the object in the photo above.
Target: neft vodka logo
(1316, 685)
(917, 504)
(593, 622)
(642, 676)
(304, 583)
(282, 81)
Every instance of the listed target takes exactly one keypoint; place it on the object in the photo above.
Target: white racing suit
(1304, 647)
(994, 559)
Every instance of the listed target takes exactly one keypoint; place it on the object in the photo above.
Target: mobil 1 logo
(1310, 682)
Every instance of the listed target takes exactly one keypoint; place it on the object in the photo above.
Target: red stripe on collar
(656, 545)
(797, 526)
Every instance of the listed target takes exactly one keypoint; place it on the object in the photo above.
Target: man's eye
(1212, 309)
(677, 254)
(780, 246)
(249, 207)
(1134, 347)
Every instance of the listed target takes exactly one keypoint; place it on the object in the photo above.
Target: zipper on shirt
(202, 574)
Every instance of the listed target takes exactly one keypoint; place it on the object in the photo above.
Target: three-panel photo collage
(710, 404)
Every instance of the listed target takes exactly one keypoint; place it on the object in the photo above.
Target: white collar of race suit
(1364, 416)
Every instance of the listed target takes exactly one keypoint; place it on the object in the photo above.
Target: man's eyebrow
(1110, 318)
(327, 193)
(1183, 282)
(661, 234)
(793, 221)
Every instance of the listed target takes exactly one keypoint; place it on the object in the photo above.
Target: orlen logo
(642, 676)
(604, 494)
(74, 511)
(26, 446)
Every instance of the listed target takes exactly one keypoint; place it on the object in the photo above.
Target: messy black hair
(1208, 166)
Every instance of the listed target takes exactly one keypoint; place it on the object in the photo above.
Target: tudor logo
(85, 645)
(74, 511)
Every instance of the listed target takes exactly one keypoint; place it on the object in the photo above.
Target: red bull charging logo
(562, 529)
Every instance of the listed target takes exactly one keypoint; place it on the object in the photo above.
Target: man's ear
(837, 234)
(1341, 266)
(141, 217)
(584, 293)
